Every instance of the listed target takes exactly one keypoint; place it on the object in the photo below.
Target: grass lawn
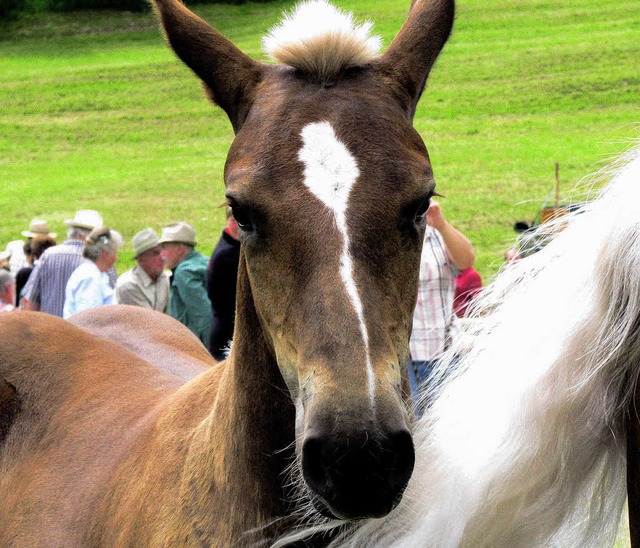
(96, 112)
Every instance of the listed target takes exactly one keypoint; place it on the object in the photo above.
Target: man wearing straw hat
(189, 302)
(45, 290)
(19, 259)
(37, 228)
(146, 284)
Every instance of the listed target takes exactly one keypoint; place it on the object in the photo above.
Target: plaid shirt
(48, 281)
(434, 321)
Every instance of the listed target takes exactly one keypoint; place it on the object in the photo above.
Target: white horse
(525, 444)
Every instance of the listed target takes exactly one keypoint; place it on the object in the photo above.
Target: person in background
(88, 285)
(188, 302)
(5, 256)
(33, 249)
(146, 284)
(222, 276)
(468, 286)
(7, 291)
(512, 254)
(37, 229)
(45, 290)
(445, 251)
(17, 257)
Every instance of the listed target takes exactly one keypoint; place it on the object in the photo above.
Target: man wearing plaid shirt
(445, 251)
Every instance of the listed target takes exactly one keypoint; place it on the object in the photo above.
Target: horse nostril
(358, 476)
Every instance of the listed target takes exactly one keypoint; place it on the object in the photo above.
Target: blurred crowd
(39, 274)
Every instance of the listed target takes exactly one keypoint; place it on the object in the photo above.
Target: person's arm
(26, 304)
(31, 292)
(458, 247)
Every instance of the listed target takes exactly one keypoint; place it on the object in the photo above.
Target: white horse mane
(321, 41)
(524, 444)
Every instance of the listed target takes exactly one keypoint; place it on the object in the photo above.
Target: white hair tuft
(321, 41)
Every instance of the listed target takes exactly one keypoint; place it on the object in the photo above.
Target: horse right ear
(409, 58)
(230, 76)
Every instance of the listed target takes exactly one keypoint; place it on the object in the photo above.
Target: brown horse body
(123, 431)
(108, 448)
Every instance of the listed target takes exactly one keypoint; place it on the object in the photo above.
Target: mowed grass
(96, 112)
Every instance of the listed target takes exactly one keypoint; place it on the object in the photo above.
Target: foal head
(329, 183)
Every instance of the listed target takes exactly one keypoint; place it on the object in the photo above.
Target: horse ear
(230, 76)
(409, 58)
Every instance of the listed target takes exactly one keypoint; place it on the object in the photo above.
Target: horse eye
(242, 217)
(421, 211)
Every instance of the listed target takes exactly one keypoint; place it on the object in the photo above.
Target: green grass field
(96, 112)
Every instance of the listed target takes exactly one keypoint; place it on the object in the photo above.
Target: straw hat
(178, 233)
(38, 227)
(85, 218)
(144, 241)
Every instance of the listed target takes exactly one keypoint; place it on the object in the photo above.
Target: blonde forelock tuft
(321, 41)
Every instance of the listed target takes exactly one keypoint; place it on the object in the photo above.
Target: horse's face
(330, 183)
(330, 187)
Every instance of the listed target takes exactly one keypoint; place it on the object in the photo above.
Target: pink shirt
(434, 321)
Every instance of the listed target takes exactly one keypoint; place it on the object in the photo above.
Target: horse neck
(263, 407)
(248, 435)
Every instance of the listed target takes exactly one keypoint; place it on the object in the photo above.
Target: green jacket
(189, 303)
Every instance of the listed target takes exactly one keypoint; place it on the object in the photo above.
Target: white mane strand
(321, 41)
(525, 444)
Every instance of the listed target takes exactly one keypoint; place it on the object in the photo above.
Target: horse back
(157, 338)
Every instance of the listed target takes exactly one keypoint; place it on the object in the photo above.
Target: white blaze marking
(329, 172)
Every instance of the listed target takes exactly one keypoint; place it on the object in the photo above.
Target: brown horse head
(329, 183)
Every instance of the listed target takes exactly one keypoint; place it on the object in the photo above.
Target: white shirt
(87, 288)
(136, 288)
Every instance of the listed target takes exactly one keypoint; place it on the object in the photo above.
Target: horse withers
(122, 431)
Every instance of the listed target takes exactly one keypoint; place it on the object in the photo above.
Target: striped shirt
(434, 320)
(48, 281)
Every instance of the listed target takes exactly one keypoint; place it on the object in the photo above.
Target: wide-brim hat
(38, 227)
(144, 241)
(178, 233)
(85, 218)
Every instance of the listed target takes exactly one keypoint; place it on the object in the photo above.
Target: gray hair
(6, 279)
(77, 233)
(101, 239)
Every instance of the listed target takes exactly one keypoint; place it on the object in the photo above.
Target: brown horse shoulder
(79, 402)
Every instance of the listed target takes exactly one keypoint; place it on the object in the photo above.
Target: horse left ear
(409, 58)
(230, 76)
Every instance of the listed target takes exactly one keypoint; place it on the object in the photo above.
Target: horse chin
(321, 507)
(324, 510)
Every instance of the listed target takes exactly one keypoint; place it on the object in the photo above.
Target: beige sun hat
(38, 227)
(144, 241)
(178, 233)
(85, 218)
